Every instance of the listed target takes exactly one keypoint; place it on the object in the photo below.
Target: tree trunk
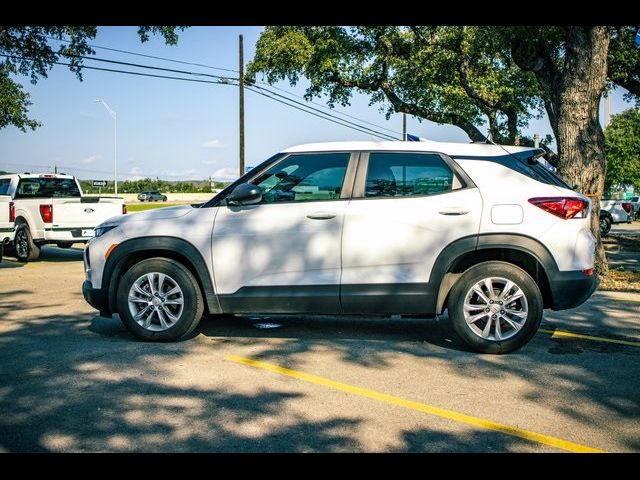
(577, 127)
(571, 95)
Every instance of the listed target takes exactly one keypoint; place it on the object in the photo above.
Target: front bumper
(571, 289)
(97, 298)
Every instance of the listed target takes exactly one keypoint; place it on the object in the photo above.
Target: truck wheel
(159, 300)
(64, 244)
(26, 250)
(495, 307)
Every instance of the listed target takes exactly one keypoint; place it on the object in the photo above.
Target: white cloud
(209, 162)
(225, 174)
(215, 143)
(90, 159)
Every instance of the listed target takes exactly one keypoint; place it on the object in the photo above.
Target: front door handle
(321, 215)
(453, 211)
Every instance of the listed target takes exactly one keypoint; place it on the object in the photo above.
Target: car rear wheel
(25, 248)
(159, 300)
(495, 307)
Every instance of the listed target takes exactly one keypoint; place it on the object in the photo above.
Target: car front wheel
(159, 300)
(495, 307)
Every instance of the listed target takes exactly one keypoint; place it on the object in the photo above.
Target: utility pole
(241, 89)
(404, 127)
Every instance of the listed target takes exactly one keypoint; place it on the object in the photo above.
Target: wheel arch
(520, 250)
(132, 251)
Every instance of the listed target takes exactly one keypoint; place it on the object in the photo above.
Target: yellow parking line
(420, 407)
(564, 333)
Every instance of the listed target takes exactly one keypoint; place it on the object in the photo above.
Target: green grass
(140, 207)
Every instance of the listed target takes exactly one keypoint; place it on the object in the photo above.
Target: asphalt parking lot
(71, 381)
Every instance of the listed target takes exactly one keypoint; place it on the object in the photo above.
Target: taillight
(124, 209)
(627, 207)
(563, 207)
(46, 212)
(12, 212)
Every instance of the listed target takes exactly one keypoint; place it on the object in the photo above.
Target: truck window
(47, 187)
(4, 185)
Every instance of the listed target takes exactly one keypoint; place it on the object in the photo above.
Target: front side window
(47, 187)
(304, 178)
(407, 174)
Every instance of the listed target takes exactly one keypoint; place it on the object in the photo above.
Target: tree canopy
(622, 139)
(463, 76)
(26, 51)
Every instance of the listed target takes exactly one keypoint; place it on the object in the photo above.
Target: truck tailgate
(6, 227)
(85, 212)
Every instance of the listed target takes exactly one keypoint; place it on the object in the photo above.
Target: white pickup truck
(50, 209)
(6, 227)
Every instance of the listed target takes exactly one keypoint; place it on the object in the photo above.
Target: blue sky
(178, 130)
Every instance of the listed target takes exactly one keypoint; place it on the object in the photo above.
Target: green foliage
(622, 138)
(145, 184)
(624, 60)
(462, 76)
(29, 53)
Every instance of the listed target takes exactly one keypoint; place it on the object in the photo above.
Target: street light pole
(115, 144)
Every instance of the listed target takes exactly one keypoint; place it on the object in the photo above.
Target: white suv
(378, 228)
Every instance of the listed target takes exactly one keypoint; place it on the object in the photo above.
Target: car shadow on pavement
(78, 382)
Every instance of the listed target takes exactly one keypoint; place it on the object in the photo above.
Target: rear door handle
(453, 211)
(321, 215)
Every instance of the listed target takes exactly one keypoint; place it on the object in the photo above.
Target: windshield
(47, 187)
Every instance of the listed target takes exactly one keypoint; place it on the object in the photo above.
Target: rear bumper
(96, 297)
(571, 289)
(67, 234)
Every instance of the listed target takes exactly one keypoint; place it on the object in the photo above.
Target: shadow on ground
(81, 383)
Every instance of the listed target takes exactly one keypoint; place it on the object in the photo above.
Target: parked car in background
(376, 228)
(49, 208)
(621, 211)
(6, 226)
(635, 203)
(152, 196)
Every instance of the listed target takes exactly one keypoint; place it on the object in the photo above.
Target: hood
(155, 214)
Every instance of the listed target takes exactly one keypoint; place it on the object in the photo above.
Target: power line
(150, 56)
(151, 67)
(219, 82)
(331, 109)
(368, 130)
(221, 69)
(226, 81)
(328, 118)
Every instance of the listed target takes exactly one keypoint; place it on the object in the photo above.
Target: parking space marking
(564, 333)
(420, 407)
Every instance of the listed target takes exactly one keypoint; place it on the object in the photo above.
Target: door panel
(392, 238)
(282, 253)
(277, 244)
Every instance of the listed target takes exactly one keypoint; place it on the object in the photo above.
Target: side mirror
(244, 194)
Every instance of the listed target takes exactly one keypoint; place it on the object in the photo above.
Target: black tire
(506, 271)
(193, 306)
(605, 225)
(25, 249)
(164, 199)
(64, 244)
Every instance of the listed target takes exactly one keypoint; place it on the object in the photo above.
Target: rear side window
(4, 185)
(47, 187)
(406, 174)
